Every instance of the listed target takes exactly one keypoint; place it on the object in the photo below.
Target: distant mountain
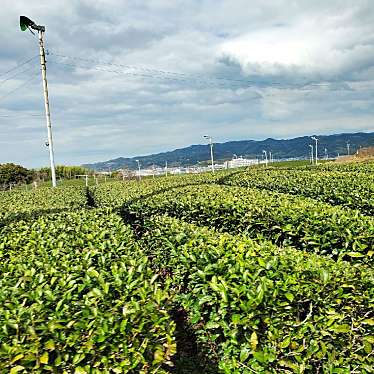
(280, 148)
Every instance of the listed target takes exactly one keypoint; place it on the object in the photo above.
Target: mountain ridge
(280, 148)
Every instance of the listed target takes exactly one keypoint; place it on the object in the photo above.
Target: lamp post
(137, 161)
(26, 23)
(266, 157)
(316, 140)
(311, 153)
(211, 150)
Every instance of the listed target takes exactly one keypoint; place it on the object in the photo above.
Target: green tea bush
(300, 222)
(18, 204)
(258, 308)
(352, 189)
(114, 195)
(77, 295)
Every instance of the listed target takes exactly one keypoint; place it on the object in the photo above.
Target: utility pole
(316, 140)
(348, 145)
(166, 168)
(311, 153)
(211, 150)
(266, 157)
(26, 23)
(326, 154)
(138, 169)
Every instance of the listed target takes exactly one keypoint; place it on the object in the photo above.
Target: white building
(240, 161)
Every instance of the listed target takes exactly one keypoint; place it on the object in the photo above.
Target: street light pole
(316, 140)
(211, 150)
(138, 169)
(266, 157)
(311, 153)
(46, 104)
(26, 23)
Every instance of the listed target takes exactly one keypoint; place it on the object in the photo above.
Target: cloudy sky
(128, 78)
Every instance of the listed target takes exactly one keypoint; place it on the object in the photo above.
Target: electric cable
(18, 87)
(163, 74)
(16, 74)
(19, 65)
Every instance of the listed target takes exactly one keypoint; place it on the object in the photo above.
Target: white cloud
(311, 46)
(99, 115)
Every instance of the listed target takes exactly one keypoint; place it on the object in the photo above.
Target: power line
(20, 115)
(173, 76)
(19, 65)
(18, 87)
(16, 74)
(145, 75)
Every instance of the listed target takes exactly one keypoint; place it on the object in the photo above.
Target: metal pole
(211, 153)
(316, 151)
(266, 157)
(138, 169)
(211, 149)
(166, 168)
(348, 148)
(46, 104)
(311, 153)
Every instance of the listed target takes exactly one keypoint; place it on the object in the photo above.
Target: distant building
(239, 162)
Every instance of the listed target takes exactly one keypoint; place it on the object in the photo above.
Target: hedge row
(113, 195)
(300, 222)
(18, 204)
(77, 295)
(354, 189)
(261, 309)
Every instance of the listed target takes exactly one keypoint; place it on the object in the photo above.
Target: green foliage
(19, 204)
(11, 174)
(352, 189)
(62, 171)
(259, 308)
(77, 295)
(65, 172)
(114, 195)
(300, 222)
(363, 167)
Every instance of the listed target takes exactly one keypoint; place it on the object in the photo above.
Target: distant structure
(238, 162)
(365, 152)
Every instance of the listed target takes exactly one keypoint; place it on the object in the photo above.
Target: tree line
(12, 174)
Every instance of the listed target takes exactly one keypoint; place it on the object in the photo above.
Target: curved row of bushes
(258, 308)
(300, 222)
(77, 295)
(354, 189)
(19, 204)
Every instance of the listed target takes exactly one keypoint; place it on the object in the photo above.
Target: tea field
(261, 270)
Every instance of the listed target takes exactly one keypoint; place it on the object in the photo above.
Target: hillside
(280, 148)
